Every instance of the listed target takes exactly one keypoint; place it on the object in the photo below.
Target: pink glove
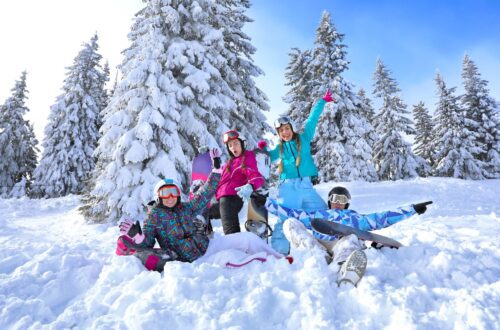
(215, 152)
(132, 230)
(328, 96)
(262, 144)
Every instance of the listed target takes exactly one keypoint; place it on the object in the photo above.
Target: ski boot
(353, 269)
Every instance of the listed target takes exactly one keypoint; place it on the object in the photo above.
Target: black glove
(200, 225)
(217, 163)
(215, 155)
(420, 208)
(135, 229)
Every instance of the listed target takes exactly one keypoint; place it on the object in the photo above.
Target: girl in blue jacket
(296, 167)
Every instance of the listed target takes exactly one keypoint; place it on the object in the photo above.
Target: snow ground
(56, 272)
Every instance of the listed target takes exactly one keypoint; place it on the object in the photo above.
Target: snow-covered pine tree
(87, 198)
(105, 93)
(368, 112)
(240, 73)
(393, 156)
(479, 109)
(453, 142)
(18, 144)
(72, 131)
(299, 94)
(367, 109)
(340, 148)
(423, 136)
(178, 92)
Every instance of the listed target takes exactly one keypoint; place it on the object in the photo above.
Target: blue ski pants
(297, 193)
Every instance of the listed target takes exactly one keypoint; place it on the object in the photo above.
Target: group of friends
(182, 236)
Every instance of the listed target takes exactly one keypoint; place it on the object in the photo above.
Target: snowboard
(200, 170)
(337, 229)
(143, 253)
(257, 216)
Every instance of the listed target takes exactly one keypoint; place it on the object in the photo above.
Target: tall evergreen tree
(366, 106)
(368, 112)
(180, 90)
(454, 143)
(18, 144)
(479, 109)
(423, 137)
(341, 150)
(299, 80)
(247, 117)
(393, 156)
(72, 131)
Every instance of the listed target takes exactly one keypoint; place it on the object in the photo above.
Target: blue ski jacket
(290, 151)
(351, 218)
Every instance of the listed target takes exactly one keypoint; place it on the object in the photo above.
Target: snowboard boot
(353, 269)
(301, 238)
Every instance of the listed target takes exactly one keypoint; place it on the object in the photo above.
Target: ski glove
(262, 144)
(200, 225)
(215, 155)
(328, 96)
(244, 191)
(132, 230)
(420, 208)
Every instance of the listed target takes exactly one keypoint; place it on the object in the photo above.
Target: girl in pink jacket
(240, 177)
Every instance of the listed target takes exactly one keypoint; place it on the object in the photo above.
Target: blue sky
(413, 38)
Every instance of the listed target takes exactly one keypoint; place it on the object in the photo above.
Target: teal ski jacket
(290, 153)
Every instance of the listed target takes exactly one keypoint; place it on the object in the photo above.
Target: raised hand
(215, 155)
(420, 208)
(328, 96)
(262, 144)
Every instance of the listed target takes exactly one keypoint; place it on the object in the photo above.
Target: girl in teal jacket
(296, 167)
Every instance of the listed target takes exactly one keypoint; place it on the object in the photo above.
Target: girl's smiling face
(285, 132)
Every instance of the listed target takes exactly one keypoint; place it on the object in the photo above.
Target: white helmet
(165, 182)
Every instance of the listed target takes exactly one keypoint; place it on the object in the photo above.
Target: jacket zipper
(295, 158)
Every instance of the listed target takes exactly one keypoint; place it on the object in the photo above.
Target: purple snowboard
(201, 168)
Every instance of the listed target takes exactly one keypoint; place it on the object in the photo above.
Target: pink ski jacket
(239, 175)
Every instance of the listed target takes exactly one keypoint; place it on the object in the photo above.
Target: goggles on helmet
(168, 192)
(340, 199)
(230, 135)
(282, 121)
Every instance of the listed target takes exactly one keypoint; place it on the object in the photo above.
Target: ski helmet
(166, 183)
(340, 195)
(233, 135)
(283, 120)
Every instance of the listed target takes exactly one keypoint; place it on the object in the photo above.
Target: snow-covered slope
(57, 272)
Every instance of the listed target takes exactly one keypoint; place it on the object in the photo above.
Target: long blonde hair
(296, 137)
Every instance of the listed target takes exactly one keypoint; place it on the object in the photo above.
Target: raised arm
(205, 194)
(312, 121)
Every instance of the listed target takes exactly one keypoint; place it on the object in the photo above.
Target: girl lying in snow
(180, 234)
(345, 251)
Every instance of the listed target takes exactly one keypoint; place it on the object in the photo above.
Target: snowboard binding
(259, 228)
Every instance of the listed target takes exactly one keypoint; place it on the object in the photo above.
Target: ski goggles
(168, 192)
(282, 121)
(230, 135)
(340, 199)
